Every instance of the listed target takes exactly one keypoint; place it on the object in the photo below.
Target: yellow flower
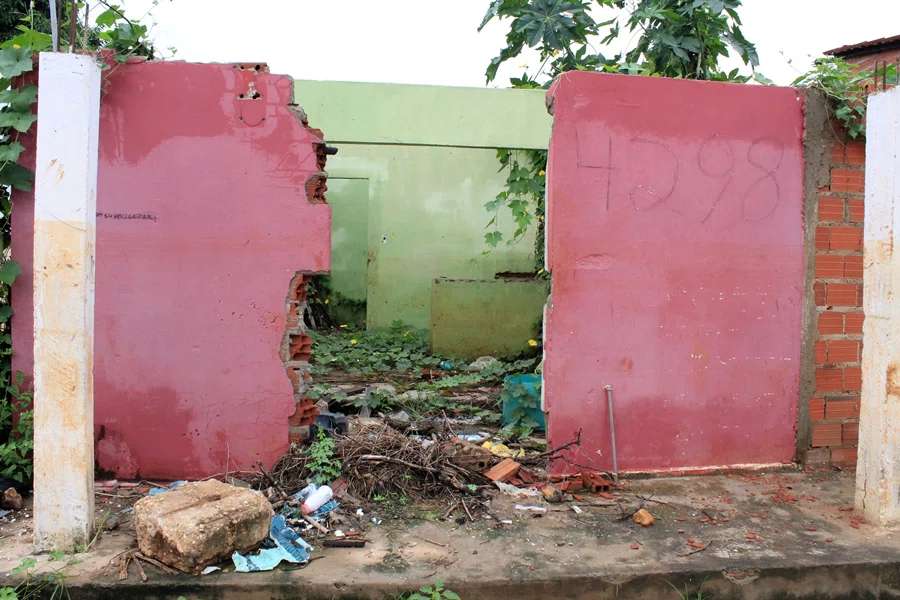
(343, 327)
(352, 341)
(542, 173)
(532, 343)
(326, 300)
(541, 271)
(542, 217)
(406, 334)
(16, 46)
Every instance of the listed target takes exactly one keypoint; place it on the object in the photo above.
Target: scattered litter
(210, 569)
(316, 500)
(542, 509)
(643, 518)
(511, 490)
(159, 490)
(360, 513)
(345, 543)
(551, 494)
(474, 437)
(503, 451)
(3, 513)
(376, 521)
(339, 534)
(288, 546)
(576, 510)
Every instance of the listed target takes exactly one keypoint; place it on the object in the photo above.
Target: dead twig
(316, 524)
(152, 561)
(140, 569)
(271, 480)
(463, 502)
(697, 550)
(550, 453)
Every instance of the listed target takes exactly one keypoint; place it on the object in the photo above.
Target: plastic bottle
(317, 499)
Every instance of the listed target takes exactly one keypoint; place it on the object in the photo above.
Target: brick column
(834, 409)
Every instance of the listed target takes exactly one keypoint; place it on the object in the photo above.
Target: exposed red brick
(829, 380)
(856, 153)
(850, 436)
(843, 351)
(841, 294)
(819, 293)
(839, 153)
(816, 409)
(853, 267)
(831, 323)
(831, 209)
(854, 323)
(818, 457)
(842, 409)
(852, 379)
(845, 238)
(823, 238)
(821, 348)
(844, 457)
(826, 434)
(829, 266)
(845, 180)
(857, 210)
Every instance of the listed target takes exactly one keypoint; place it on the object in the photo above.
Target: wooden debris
(344, 543)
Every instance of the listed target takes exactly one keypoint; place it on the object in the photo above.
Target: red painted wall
(203, 221)
(675, 239)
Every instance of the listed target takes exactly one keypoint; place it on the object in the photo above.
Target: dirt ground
(734, 526)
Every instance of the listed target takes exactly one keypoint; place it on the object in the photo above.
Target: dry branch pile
(378, 459)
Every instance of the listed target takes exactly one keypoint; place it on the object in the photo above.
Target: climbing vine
(668, 38)
(122, 38)
(845, 87)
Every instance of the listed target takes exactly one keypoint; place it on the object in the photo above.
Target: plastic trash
(542, 509)
(289, 547)
(159, 490)
(210, 569)
(446, 365)
(511, 490)
(317, 499)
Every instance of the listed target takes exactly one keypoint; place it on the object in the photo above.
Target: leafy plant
(398, 348)
(49, 584)
(322, 464)
(844, 86)
(523, 397)
(435, 591)
(686, 595)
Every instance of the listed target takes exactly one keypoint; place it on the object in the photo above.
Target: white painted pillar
(878, 466)
(64, 242)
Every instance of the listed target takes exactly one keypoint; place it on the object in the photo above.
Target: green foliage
(322, 463)
(523, 399)
(435, 591)
(844, 86)
(668, 38)
(686, 595)
(398, 348)
(48, 584)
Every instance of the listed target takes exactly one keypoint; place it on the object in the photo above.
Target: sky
(426, 42)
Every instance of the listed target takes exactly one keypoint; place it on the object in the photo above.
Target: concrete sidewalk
(773, 536)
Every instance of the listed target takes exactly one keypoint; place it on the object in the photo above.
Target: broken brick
(504, 471)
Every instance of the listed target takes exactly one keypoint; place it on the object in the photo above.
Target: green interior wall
(478, 318)
(428, 157)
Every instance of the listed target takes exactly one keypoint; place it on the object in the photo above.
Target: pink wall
(203, 221)
(675, 239)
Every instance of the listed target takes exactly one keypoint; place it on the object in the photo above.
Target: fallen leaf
(829, 540)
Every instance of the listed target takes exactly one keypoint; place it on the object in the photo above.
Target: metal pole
(54, 29)
(612, 433)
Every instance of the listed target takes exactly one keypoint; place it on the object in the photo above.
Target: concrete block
(201, 523)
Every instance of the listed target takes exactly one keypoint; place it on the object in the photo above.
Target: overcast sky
(430, 42)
